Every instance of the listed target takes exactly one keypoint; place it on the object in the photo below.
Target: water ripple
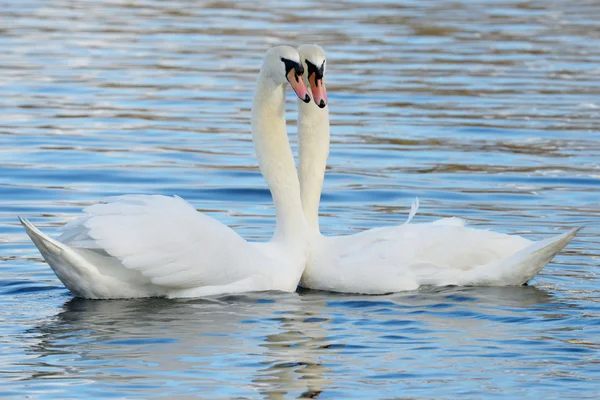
(486, 110)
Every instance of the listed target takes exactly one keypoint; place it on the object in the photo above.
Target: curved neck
(313, 150)
(275, 157)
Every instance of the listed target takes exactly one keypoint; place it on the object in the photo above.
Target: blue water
(486, 110)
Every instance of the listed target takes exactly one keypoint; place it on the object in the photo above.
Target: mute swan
(401, 257)
(143, 246)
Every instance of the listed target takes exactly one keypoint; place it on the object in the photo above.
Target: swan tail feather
(520, 267)
(87, 273)
(66, 263)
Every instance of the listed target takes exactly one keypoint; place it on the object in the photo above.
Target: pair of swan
(143, 246)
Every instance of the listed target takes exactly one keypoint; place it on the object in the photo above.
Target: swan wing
(444, 252)
(446, 243)
(166, 240)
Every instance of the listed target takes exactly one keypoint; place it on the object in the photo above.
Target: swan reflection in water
(270, 339)
(276, 344)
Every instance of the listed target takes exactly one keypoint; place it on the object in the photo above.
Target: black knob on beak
(306, 98)
(322, 104)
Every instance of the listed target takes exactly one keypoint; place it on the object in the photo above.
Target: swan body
(401, 257)
(144, 246)
(405, 257)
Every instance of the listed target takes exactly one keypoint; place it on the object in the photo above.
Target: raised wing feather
(166, 240)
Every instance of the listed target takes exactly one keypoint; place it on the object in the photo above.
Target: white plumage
(141, 246)
(403, 257)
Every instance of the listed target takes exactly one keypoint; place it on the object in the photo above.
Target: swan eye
(289, 65)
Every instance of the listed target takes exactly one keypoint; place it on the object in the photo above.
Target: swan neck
(313, 151)
(275, 158)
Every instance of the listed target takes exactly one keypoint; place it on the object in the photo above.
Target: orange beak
(318, 90)
(298, 86)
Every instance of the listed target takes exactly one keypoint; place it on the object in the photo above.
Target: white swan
(143, 246)
(401, 257)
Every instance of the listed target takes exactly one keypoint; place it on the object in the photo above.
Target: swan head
(313, 59)
(282, 64)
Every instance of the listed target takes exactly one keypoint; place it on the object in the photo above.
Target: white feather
(140, 246)
(414, 207)
(390, 259)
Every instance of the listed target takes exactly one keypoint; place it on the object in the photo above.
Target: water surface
(486, 110)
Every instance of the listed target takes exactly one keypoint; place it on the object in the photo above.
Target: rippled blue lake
(486, 110)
